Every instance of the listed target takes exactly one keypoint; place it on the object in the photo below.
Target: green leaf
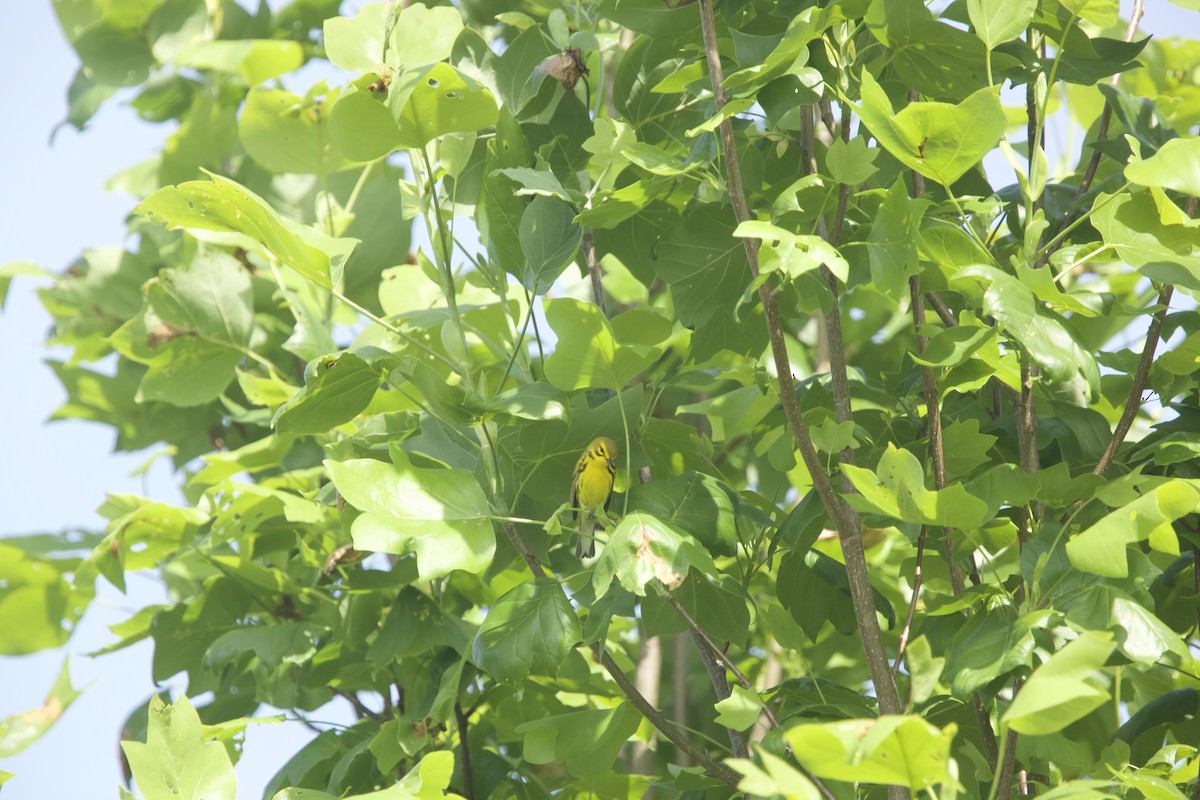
(194, 332)
(440, 515)
(906, 751)
(586, 742)
(422, 35)
(256, 60)
(897, 489)
(776, 777)
(225, 206)
(609, 209)
(699, 504)
(704, 265)
(539, 182)
(1000, 21)
(991, 644)
(362, 126)
(924, 670)
(175, 760)
(21, 730)
(1101, 13)
(549, 241)
(1064, 689)
(954, 346)
(588, 354)
(269, 645)
(532, 627)
(642, 549)
(892, 242)
(356, 44)
(851, 162)
(719, 606)
(15, 269)
(444, 101)
(1176, 166)
(415, 626)
(792, 254)
(1172, 707)
(937, 59)
(940, 140)
(740, 710)
(336, 391)
(1100, 549)
(1051, 344)
(287, 133)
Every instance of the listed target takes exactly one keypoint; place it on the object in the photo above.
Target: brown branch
(1089, 173)
(839, 216)
(468, 780)
(941, 309)
(652, 714)
(912, 604)
(1134, 402)
(983, 720)
(360, 710)
(703, 638)
(847, 524)
(677, 737)
(947, 317)
(1007, 769)
(716, 674)
(593, 268)
(714, 658)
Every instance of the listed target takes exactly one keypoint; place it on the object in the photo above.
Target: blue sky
(57, 474)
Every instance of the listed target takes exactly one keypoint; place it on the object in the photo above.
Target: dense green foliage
(330, 389)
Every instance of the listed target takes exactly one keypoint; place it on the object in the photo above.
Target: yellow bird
(591, 489)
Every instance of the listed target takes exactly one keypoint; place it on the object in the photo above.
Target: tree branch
(464, 744)
(912, 603)
(712, 655)
(1089, 173)
(716, 674)
(1134, 401)
(593, 268)
(847, 524)
(652, 714)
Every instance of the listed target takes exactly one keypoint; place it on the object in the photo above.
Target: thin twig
(1089, 173)
(652, 714)
(655, 717)
(839, 216)
(464, 744)
(593, 268)
(716, 674)
(359, 709)
(713, 655)
(947, 317)
(941, 309)
(912, 604)
(718, 653)
(1134, 402)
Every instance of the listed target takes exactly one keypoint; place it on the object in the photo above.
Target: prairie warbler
(591, 489)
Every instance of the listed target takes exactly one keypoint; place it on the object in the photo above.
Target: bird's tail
(585, 544)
